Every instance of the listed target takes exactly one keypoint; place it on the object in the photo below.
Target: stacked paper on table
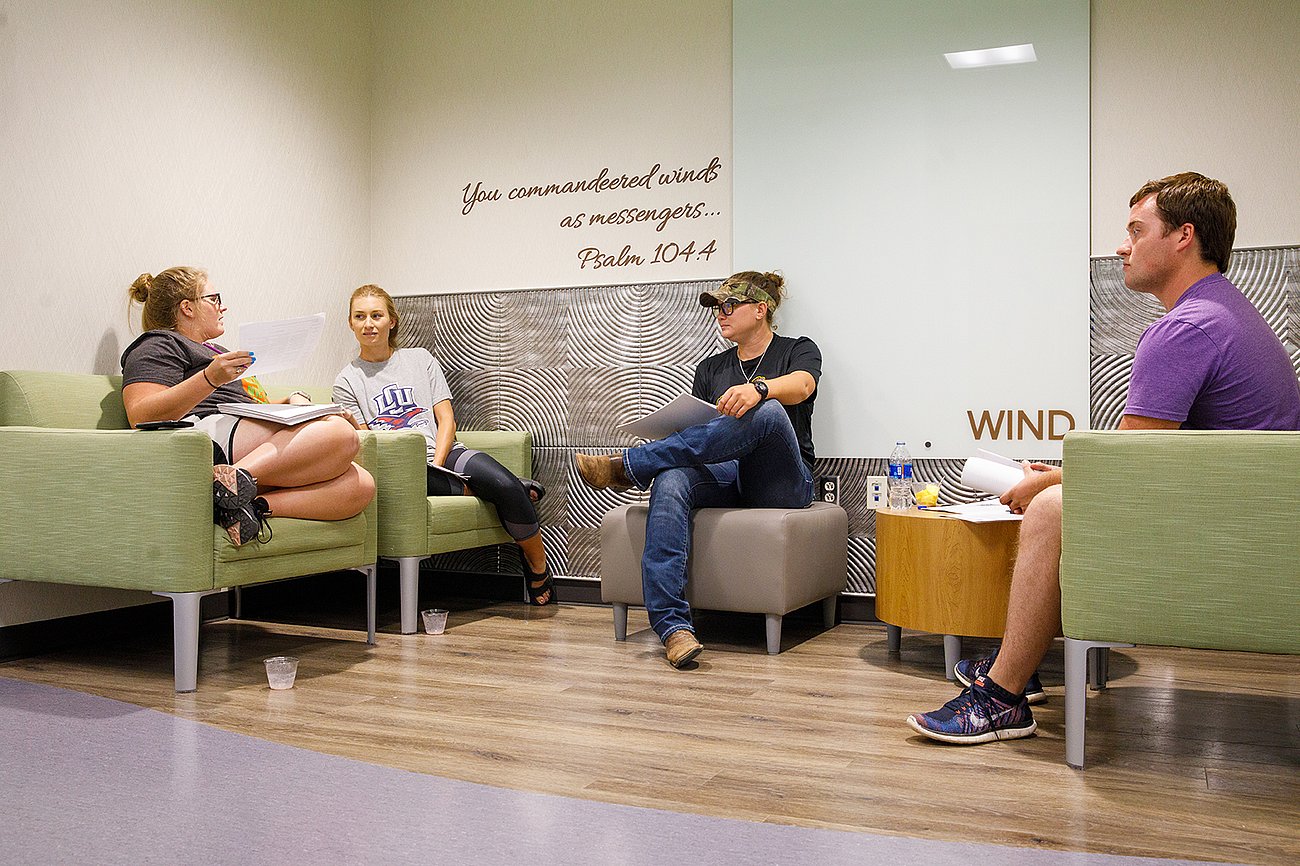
(987, 511)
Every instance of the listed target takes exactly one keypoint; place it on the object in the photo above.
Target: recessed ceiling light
(992, 56)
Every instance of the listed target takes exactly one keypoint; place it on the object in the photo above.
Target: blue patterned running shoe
(967, 670)
(975, 716)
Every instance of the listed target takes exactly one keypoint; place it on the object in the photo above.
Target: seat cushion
(452, 514)
(290, 535)
(753, 560)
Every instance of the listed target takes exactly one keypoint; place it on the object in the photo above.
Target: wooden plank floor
(1191, 754)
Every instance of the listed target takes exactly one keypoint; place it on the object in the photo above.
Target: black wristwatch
(761, 387)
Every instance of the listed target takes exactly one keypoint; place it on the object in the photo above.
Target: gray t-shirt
(395, 394)
(167, 358)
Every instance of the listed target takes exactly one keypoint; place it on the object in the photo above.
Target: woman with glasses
(391, 388)
(174, 371)
(758, 452)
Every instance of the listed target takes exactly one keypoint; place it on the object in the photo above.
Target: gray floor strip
(87, 779)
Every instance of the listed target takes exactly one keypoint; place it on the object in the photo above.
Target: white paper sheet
(281, 345)
(991, 472)
(450, 472)
(682, 412)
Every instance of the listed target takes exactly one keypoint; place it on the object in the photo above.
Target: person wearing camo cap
(758, 452)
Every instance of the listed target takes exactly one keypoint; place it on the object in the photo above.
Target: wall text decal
(1017, 421)
(601, 193)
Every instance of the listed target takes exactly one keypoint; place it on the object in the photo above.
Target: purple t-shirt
(1213, 363)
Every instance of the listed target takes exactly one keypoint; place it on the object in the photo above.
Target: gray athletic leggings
(491, 482)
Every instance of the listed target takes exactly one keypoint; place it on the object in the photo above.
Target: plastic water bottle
(900, 477)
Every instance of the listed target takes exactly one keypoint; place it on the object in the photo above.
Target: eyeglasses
(727, 307)
(214, 298)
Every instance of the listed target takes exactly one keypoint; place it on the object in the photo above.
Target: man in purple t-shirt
(1210, 363)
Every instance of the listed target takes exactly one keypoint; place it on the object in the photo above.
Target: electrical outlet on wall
(828, 488)
(877, 491)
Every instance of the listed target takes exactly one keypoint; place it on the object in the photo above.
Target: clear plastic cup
(435, 621)
(926, 493)
(281, 671)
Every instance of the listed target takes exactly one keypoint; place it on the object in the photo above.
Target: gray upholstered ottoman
(750, 560)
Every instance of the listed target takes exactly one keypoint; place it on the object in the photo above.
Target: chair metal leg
(239, 602)
(773, 633)
(894, 638)
(620, 621)
(1076, 694)
(828, 611)
(408, 572)
(1099, 668)
(951, 655)
(372, 585)
(185, 637)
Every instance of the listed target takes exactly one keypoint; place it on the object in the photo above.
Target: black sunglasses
(728, 306)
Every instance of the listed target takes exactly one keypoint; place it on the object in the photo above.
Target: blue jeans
(751, 461)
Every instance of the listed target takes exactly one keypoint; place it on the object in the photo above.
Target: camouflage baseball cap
(740, 289)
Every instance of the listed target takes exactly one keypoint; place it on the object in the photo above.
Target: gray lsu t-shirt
(395, 394)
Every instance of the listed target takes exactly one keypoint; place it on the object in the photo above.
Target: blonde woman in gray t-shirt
(391, 388)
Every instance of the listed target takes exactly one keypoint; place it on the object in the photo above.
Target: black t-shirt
(167, 358)
(716, 373)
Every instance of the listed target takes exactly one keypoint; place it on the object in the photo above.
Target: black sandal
(534, 488)
(535, 593)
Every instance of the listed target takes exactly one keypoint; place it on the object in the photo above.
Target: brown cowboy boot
(603, 472)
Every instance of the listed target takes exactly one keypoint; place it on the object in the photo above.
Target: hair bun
(140, 288)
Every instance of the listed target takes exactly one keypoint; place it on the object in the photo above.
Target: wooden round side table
(944, 576)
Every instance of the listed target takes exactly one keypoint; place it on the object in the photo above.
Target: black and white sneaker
(249, 523)
(232, 488)
(967, 671)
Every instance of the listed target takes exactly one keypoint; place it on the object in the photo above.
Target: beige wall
(139, 134)
(1200, 85)
(515, 93)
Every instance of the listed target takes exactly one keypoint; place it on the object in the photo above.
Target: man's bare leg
(1034, 608)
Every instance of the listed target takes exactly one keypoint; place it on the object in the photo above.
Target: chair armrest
(1182, 538)
(513, 449)
(122, 508)
(368, 459)
(402, 496)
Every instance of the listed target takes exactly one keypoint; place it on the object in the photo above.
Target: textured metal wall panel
(572, 364)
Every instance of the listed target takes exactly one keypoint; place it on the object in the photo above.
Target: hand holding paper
(991, 473)
(281, 345)
(682, 412)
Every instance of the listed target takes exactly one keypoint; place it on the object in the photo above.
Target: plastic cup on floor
(435, 621)
(281, 671)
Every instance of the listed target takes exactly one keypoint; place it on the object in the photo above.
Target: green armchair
(94, 503)
(1181, 538)
(413, 526)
